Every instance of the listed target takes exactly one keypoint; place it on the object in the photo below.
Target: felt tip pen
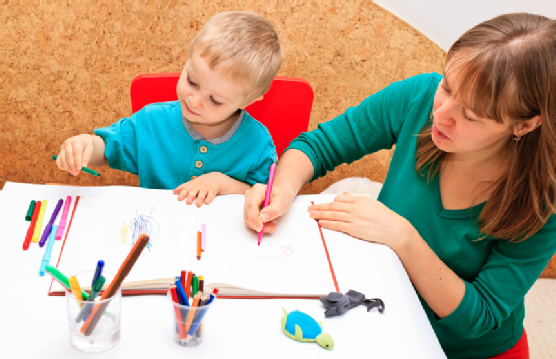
(267, 195)
(212, 296)
(197, 322)
(203, 237)
(38, 225)
(62, 224)
(76, 290)
(48, 228)
(97, 287)
(48, 251)
(84, 169)
(31, 228)
(62, 279)
(98, 272)
(181, 293)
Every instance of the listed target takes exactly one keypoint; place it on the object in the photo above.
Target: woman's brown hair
(508, 73)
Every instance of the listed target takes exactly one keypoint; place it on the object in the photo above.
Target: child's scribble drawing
(144, 222)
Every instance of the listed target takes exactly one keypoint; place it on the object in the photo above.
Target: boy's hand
(75, 153)
(202, 189)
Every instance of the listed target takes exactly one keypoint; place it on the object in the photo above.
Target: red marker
(31, 229)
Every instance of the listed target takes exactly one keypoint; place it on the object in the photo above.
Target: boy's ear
(527, 126)
(255, 100)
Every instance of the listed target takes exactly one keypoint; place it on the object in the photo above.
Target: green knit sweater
(497, 273)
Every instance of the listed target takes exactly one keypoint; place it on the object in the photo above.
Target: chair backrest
(285, 109)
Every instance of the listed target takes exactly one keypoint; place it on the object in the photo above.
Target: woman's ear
(527, 126)
(255, 100)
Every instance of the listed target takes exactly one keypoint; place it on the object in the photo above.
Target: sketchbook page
(292, 261)
(107, 227)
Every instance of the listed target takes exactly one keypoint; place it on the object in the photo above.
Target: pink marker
(62, 225)
(203, 237)
(267, 194)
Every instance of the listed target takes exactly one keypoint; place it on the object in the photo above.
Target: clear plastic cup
(188, 323)
(106, 333)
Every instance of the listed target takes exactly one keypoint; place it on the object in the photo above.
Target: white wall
(443, 21)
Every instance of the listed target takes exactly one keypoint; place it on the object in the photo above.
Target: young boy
(205, 143)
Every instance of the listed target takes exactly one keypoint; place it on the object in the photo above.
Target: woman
(469, 201)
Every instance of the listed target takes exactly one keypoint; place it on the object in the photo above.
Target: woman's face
(456, 129)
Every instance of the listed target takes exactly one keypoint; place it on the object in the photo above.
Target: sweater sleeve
(121, 143)
(371, 126)
(508, 274)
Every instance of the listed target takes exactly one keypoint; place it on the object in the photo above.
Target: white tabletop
(36, 325)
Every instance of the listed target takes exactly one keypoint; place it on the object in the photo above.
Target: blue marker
(48, 250)
(98, 272)
(181, 293)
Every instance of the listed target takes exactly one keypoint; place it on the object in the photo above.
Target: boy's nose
(195, 102)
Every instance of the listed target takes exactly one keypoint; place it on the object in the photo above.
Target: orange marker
(192, 310)
(199, 245)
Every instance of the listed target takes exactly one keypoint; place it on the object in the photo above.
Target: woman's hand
(280, 202)
(363, 218)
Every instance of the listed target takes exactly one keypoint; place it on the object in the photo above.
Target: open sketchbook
(293, 262)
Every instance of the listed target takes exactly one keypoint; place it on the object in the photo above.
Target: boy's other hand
(202, 189)
(75, 153)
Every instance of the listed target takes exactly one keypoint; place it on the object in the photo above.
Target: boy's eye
(215, 103)
(191, 82)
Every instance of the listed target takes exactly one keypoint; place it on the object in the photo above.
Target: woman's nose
(446, 111)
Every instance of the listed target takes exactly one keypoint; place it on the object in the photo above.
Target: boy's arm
(81, 151)
(204, 188)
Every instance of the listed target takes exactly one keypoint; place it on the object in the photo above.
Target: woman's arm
(372, 221)
(294, 170)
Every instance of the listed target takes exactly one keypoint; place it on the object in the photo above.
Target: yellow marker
(38, 226)
(76, 289)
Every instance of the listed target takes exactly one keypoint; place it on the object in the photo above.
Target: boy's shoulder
(168, 106)
(254, 125)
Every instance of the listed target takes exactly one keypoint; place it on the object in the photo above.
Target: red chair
(285, 109)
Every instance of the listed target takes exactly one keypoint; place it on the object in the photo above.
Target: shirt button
(198, 164)
(193, 177)
(203, 149)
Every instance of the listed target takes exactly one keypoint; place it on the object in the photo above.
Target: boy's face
(206, 97)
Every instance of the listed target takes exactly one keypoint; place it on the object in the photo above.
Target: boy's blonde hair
(244, 46)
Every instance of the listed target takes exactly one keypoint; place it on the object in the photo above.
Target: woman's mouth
(438, 134)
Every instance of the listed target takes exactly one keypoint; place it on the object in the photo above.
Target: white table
(35, 325)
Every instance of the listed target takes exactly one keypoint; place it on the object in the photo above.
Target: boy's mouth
(189, 110)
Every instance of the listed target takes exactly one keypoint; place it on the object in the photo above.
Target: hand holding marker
(84, 169)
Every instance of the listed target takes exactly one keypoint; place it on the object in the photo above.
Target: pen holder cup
(188, 323)
(83, 315)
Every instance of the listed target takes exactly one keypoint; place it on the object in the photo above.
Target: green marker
(84, 169)
(63, 280)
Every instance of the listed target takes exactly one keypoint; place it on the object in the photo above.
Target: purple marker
(48, 227)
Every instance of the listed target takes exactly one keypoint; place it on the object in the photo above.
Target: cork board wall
(67, 68)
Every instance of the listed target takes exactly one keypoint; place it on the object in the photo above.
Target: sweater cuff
(458, 320)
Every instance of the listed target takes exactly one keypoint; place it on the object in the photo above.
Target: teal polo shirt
(159, 145)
